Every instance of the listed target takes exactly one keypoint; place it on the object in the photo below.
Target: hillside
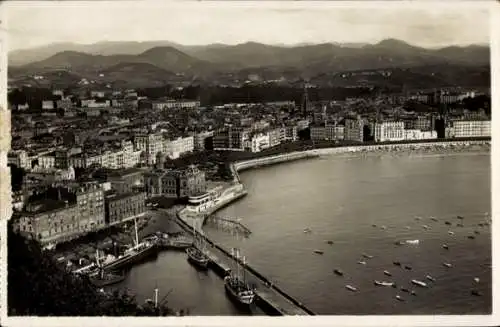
(223, 63)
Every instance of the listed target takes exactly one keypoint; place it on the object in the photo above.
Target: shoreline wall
(238, 166)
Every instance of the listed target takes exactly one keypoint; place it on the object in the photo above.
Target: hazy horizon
(36, 24)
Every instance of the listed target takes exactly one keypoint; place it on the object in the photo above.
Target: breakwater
(271, 298)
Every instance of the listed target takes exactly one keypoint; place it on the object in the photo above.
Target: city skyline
(280, 23)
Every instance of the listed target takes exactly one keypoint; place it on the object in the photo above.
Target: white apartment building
(259, 142)
(175, 104)
(151, 144)
(327, 132)
(471, 128)
(389, 131)
(416, 134)
(19, 158)
(175, 148)
(91, 103)
(46, 161)
(47, 105)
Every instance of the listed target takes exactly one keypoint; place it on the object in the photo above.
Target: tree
(37, 286)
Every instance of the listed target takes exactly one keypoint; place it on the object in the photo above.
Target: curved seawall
(298, 155)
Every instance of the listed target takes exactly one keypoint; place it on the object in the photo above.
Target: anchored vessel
(195, 255)
(137, 253)
(236, 286)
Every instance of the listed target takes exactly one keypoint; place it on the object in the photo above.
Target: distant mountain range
(162, 60)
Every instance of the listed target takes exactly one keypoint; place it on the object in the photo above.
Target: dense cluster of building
(131, 139)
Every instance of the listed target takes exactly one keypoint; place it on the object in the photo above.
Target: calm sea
(340, 198)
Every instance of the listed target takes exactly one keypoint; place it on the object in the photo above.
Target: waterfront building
(416, 134)
(471, 128)
(353, 129)
(175, 183)
(122, 207)
(48, 221)
(232, 138)
(258, 142)
(274, 137)
(327, 132)
(90, 204)
(389, 131)
(206, 200)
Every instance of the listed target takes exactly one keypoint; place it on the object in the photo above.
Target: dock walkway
(271, 298)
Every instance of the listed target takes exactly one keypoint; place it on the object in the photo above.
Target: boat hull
(97, 282)
(244, 301)
(126, 262)
(200, 260)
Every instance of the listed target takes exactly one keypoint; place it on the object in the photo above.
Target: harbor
(271, 298)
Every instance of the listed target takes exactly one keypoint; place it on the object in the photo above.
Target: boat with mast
(196, 253)
(100, 278)
(236, 286)
(136, 253)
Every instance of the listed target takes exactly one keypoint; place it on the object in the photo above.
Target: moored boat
(387, 273)
(379, 283)
(236, 286)
(135, 254)
(418, 283)
(447, 265)
(318, 251)
(351, 288)
(196, 255)
(338, 272)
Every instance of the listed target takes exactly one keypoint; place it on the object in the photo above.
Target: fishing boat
(135, 254)
(307, 231)
(367, 256)
(362, 262)
(379, 283)
(460, 217)
(351, 288)
(403, 289)
(408, 267)
(476, 279)
(471, 237)
(399, 298)
(447, 223)
(236, 286)
(446, 264)
(445, 246)
(397, 263)
(460, 225)
(196, 254)
(318, 251)
(338, 272)
(412, 242)
(418, 283)
(329, 242)
(387, 273)
(451, 233)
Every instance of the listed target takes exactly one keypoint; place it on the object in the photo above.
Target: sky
(432, 24)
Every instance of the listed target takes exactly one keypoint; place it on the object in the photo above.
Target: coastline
(236, 189)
